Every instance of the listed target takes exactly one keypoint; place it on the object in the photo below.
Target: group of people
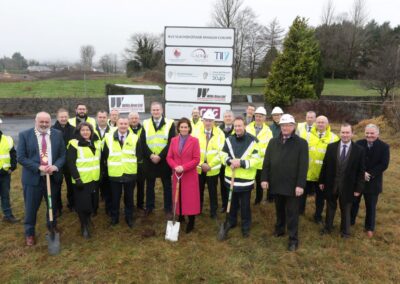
(111, 155)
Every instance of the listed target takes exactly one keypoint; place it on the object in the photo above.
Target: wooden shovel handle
(49, 197)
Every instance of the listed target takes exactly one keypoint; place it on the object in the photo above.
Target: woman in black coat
(83, 158)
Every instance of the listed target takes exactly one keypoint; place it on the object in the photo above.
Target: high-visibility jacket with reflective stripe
(87, 163)
(302, 131)
(244, 177)
(121, 161)
(263, 139)
(196, 127)
(157, 140)
(6, 145)
(316, 151)
(90, 120)
(210, 153)
(111, 129)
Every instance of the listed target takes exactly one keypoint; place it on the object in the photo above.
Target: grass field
(96, 87)
(121, 255)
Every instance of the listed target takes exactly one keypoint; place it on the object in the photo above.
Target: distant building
(40, 68)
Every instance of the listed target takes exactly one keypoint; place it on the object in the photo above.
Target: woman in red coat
(183, 157)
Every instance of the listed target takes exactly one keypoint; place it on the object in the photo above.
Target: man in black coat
(68, 132)
(342, 177)
(284, 173)
(377, 157)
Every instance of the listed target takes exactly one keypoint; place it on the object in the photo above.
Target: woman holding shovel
(183, 157)
(83, 158)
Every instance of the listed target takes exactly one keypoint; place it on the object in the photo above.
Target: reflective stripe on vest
(6, 145)
(210, 153)
(90, 120)
(157, 140)
(122, 161)
(264, 136)
(87, 163)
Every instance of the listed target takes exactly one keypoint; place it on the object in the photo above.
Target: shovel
(53, 238)
(172, 231)
(223, 229)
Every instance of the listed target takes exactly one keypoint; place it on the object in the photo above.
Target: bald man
(41, 151)
(318, 139)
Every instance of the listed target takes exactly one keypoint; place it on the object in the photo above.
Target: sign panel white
(187, 36)
(199, 56)
(198, 75)
(179, 110)
(126, 103)
(198, 93)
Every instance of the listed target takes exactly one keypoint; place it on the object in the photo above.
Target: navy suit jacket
(29, 158)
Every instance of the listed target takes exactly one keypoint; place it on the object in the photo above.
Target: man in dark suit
(40, 151)
(377, 157)
(68, 132)
(342, 177)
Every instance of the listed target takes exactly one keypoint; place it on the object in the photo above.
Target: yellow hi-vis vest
(302, 131)
(252, 160)
(263, 139)
(89, 120)
(87, 163)
(6, 145)
(157, 140)
(316, 151)
(121, 161)
(196, 127)
(211, 153)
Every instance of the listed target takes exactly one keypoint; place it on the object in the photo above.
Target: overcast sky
(55, 29)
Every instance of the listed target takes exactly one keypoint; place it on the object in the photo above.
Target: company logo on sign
(177, 53)
(199, 55)
(204, 96)
(215, 110)
(221, 56)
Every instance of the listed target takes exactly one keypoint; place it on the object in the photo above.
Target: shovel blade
(223, 231)
(53, 242)
(172, 231)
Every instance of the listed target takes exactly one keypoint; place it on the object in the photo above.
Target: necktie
(43, 157)
(122, 140)
(343, 154)
(258, 129)
(309, 129)
(369, 145)
(320, 135)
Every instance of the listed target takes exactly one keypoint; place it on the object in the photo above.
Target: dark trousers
(370, 207)
(33, 195)
(287, 216)
(150, 194)
(345, 208)
(310, 189)
(105, 190)
(212, 182)
(95, 198)
(259, 190)
(5, 195)
(319, 203)
(240, 200)
(223, 188)
(140, 180)
(116, 191)
(70, 191)
(84, 201)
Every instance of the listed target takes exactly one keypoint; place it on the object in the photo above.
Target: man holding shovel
(41, 152)
(241, 156)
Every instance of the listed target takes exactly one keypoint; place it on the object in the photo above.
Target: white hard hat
(209, 114)
(277, 110)
(1, 121)
(287, 118)
(261, 110)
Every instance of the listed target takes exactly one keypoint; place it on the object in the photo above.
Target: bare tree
(328, 13)
(256, 48)
(273, 34)
(226, 13)
(87, 54)
(108, 63)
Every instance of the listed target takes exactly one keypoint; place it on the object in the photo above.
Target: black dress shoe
(129, 222)
(344, 235)
(189, 227)
(114, 222)
(11, 219)
(223, 210)
(245, 234)
(318, 220)
(147, 212)
(279, 234)
(213, 216)
(86, 232)
(293, 247)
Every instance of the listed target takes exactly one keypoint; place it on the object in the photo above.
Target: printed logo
(215, 110)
